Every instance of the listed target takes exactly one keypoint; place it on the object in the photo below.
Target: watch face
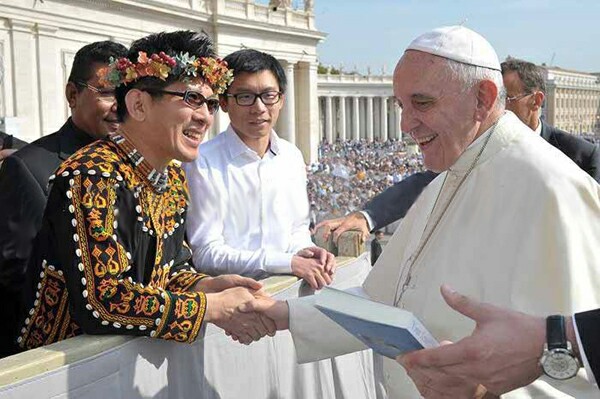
(560, 364)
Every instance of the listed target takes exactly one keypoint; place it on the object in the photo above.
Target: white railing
(214, 367)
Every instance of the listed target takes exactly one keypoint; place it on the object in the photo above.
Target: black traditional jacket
(110, 257)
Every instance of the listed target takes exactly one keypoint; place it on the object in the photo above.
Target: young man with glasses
(110, 257)
(248, 186)
(24, 175)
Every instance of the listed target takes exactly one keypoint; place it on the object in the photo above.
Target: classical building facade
(572, 100)
(353, 107)
(38, 40)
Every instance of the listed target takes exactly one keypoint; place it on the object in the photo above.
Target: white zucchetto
(459, 44)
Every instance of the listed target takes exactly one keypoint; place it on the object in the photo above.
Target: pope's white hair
(470, 75)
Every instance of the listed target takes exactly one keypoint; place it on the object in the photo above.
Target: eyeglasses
(106, 95)
(248, 99)
(192, 98)
(517, 97)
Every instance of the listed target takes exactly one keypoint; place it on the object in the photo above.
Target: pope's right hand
(277, 311)
(223, 310)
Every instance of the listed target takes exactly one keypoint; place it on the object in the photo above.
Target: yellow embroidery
(101, 261)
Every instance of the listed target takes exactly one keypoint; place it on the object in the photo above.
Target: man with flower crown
(110, 257)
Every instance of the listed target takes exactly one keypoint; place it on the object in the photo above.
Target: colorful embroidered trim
(158, 180)
(213, 71)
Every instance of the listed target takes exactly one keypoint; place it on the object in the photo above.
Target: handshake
(240, 307)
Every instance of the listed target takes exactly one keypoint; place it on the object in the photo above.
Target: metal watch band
(556, 334)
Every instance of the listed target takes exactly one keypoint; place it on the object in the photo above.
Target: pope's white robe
(523, 232)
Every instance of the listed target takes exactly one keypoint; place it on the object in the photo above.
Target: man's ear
(223, 102)
(486, 98)
(282, 101)
(138, 103)
(71, 94)
(538, 100)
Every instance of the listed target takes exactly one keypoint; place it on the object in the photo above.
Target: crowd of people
(349, 173)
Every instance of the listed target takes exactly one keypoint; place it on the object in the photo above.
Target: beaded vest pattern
(111, 257)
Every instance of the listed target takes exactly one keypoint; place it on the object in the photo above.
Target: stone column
(287, 120)
(218, 6)
(391, 119)
(398, 123)
(370, 119)
(307, 119)
(220, 123)
(355, 119)
(250, 9)
(6, 81)
(383, 115)
(342, 120)
(24, 67)
(50, 81)
(328, 120)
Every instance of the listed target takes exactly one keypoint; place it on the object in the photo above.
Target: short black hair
(97, 52)
(197, 44)
(529, 73)
(252, 61)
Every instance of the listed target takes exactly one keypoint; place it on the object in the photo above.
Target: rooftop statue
(276, 4)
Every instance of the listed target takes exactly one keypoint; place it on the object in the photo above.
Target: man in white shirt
(249, 212)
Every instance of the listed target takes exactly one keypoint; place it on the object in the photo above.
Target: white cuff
(370, 221)
(278, 263)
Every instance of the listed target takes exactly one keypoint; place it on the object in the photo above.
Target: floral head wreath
(187, 67)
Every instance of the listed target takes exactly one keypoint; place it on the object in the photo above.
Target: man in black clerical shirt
(24, 175)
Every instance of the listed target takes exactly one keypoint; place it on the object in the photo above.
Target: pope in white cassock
(511, 220)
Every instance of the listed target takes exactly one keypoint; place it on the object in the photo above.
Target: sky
(374, 33)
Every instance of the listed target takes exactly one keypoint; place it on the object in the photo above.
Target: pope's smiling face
(437, 111)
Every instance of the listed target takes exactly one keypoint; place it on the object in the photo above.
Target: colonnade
(355, 117)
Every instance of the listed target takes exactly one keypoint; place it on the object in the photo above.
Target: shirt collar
(237, 147)
(274, 147)
(71, 138)
(155, 179)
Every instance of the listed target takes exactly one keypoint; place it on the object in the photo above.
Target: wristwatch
(558, 360)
